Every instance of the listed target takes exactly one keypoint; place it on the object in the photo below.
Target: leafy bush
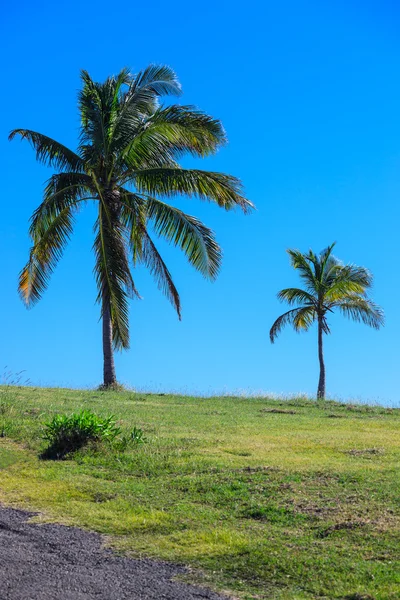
(68, 433)
(133, 438)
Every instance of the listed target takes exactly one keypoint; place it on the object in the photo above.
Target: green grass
(264, 498)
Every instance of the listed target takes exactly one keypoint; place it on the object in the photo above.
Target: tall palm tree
(329, 284)
(126, 162)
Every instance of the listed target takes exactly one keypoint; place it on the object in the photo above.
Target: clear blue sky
(309, 93)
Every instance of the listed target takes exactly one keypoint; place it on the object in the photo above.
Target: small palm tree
(329, 284)
(126, 162)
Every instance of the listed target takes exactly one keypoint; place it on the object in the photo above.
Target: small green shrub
(133, 438)
(4, 428)
(68, 433)
(136, 436)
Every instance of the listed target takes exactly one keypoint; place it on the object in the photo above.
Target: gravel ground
(55, 562)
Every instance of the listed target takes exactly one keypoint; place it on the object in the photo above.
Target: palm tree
(126, 162)
(329, 284)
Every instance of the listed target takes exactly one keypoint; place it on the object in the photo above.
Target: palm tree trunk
(321, 383)
(109, 377)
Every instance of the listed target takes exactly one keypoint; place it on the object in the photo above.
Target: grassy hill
(264, 498)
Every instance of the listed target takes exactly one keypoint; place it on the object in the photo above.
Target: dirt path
(54, 562)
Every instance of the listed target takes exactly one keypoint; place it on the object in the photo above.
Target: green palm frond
(189, 129)
(182, 230)
(44, 256)
(146, 151)
(94, 108)
(223, 189)
(50, 152)
(347, 279)
(61, 191)
(296, 296)
(321, 262)
(152, 260)
(113, 276)
(99, 105)
(362, 310)
(141, 101)
(304, 318)
(158, 80)
(188, 233)
(134, 217)
(89, 99)
(167, 134)
(184, 129)
(300, 318)
(300, 262)
(124, 78)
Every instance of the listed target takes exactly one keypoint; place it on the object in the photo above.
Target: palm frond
(133, 216)
(296, 296)
(89, 99)
(144, 151)
(347, 279)
(362, 310)
(44, 256)
(167, 134)
(300, 318)
(189, 129)
(151, 258)
(158, 80)
(95, 104)
(321, 262)
(304, 318)
(184, 129)
(300, 262)
(62, 190)
(124, 78)
(223, 189)
(113, 276)
(50, 152)
(188, 233)
(140, 101)
(143, 249)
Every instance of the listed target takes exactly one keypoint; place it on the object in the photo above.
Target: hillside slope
(265, 498)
